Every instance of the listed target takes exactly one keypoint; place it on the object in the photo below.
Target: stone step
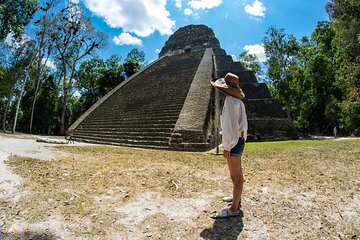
(149, 108)
(237, 66)
(223, 62)
(124, 129)
(270, 129)
(123, 117)
(142, 112)
(126, 142)
(255, 90)
(122, 144)
(139, 120)
(264, 108)
(153, 106)
(173, 117)
(128, 125)
(116, 135)
(193, 146)
(124, 133)
(244, 76)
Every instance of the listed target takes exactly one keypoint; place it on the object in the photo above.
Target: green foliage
(250, 62)
(112, 76)
(131, 67)
(74, 38)
(46, 119)
(281, 50)
(137, 55)
(15, 15)
(345, 15)
(317, 79)
(65, 36)
(4, 83)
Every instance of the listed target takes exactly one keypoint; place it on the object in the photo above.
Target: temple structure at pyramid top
(190, 38)
(171, 105)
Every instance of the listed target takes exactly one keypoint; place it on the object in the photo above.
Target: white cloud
(178, 3)
(142, 17)
(77, 94)
(126, 39)
(49, 63)
(235, 58)
(11, 41)
(204, 4)
(258, 50)
(188, 11)
(256, 10)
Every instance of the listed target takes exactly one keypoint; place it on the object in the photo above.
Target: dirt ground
(308, 189)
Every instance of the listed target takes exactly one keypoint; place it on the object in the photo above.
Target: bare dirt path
(23, 145)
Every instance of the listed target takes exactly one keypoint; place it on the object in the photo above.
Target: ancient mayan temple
(171, 105)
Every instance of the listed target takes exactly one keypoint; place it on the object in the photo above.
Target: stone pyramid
(171, 105)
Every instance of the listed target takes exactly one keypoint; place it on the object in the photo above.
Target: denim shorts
(238, 149)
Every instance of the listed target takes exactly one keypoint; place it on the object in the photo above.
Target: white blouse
(233, 122)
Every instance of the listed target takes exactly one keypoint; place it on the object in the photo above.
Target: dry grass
(293, 189)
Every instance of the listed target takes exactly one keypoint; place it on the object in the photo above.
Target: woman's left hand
(226, 154)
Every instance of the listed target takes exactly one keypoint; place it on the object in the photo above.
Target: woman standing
(234, 132)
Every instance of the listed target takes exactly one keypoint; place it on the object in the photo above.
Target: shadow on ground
(27, 236)
(228, 229)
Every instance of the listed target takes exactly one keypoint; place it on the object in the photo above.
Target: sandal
(227, 199)
(226, 213)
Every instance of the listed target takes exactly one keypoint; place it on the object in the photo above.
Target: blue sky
(238, 24)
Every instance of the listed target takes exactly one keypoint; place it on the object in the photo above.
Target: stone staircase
(144, 111)
(266, 119)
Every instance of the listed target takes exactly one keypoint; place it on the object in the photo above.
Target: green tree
(281, 51)
(88, 75)
(19, 72)
(131, 67)
(319, 79)
(302, 76)
(315, 93)
(112, 76)
(345, 20)
(250, 62)
(46, 120)
(73, 38)
(4, 83)
(15, 15)
(43, 50)
(137, 55)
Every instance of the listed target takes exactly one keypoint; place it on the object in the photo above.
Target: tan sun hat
(229, 85)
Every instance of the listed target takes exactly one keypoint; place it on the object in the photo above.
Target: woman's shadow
(228, 228)
(26, 236)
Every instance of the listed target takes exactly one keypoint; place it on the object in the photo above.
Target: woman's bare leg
(236, 174)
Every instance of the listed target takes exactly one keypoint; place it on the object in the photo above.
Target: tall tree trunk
(7, 107)
(33, 104)
(5, 114)
(37, 86)
(64, 103)
(19, 101)
(63, 111)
